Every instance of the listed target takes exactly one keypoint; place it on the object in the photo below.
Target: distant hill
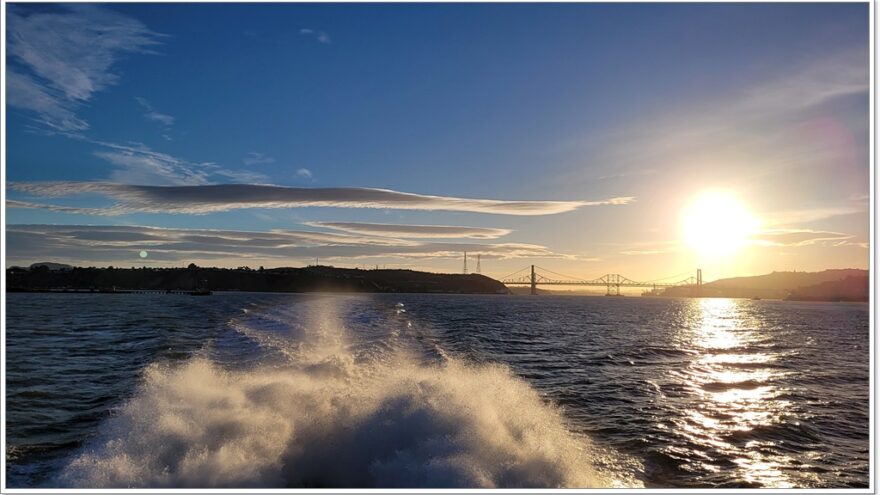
(855, 288)
(788, 280)
(308, 279)
(50, 266)
(778, 285)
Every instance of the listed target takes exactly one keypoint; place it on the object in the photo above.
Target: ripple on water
(682, 393)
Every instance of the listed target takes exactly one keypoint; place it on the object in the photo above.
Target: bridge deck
(595, 284)
(609, 281)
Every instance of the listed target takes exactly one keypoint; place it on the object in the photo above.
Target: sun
(716, 224)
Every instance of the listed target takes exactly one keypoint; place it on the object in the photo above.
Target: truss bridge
(534, 276)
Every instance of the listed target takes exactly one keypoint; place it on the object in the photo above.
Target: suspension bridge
(534, 276)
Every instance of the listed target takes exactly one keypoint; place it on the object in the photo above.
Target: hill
(855, 288)
(51, 266)
(308, 279)
(778, 285)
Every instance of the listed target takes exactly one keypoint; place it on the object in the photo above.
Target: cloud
(152, 114)
(139, 164)
(59, 58)
(140, 167)
(807, 215)
(798, 237)
(118, 245)
(642, 252)
(414, 231)
(255, 158)
(783, 129)
(320, 36)
(199, 199)
(842, 74)
(28, 205)
(304, 173)
(24, 92)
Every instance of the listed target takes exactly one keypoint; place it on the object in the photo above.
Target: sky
(576, 137)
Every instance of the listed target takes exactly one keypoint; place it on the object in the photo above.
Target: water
(281, 390)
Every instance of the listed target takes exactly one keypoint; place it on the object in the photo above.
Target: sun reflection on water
(732, 380)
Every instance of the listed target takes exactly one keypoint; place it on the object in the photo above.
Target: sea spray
(328, 419)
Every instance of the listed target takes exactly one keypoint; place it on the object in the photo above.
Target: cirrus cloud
(414, 231)
(60, 57)
(799, 237)
(153, 114)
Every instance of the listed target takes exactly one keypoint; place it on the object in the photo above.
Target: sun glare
(716, 224)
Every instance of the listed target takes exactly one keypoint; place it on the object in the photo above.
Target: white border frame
(873, 293)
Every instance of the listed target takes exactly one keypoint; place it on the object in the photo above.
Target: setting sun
(716, 224)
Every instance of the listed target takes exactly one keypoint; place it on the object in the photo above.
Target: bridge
(611, 281)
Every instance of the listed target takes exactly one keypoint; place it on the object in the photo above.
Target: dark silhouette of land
(854, 288)
(829, 285)
(42, 277)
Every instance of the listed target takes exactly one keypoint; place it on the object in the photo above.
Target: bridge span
(611, 281)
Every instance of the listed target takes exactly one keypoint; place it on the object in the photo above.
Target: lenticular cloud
(200, 199)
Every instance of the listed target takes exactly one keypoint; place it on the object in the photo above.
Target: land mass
(830, 285)
(41, 277)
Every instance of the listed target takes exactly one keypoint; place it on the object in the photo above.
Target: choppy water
(278, 390)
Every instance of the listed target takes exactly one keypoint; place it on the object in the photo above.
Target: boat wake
(334, 407)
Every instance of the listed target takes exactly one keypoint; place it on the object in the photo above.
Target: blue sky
(609, 118)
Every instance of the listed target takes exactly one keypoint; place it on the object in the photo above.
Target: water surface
(285, 390)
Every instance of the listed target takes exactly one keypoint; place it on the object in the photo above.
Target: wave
(736, 385)
(326, 418)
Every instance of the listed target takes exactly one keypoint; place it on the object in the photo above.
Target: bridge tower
(612, 281)
(534, 281)
(699, 276)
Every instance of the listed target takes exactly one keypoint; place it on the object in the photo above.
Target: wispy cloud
(842, 74)
(414, 231)
(318, 35)
(154, 115)
(145, 166)
(61, 57)
(789, 218)
(642, 252)
(785, 128)
(304, 173)
(28, 205)
(84, 244)
(799, 237)
(198, 199)
(53, 112)
(137, 163)
(256, 158)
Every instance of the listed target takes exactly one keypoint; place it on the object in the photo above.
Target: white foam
(327, 420)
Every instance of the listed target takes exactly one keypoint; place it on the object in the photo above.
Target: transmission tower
(465, 263)
(478, 264)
